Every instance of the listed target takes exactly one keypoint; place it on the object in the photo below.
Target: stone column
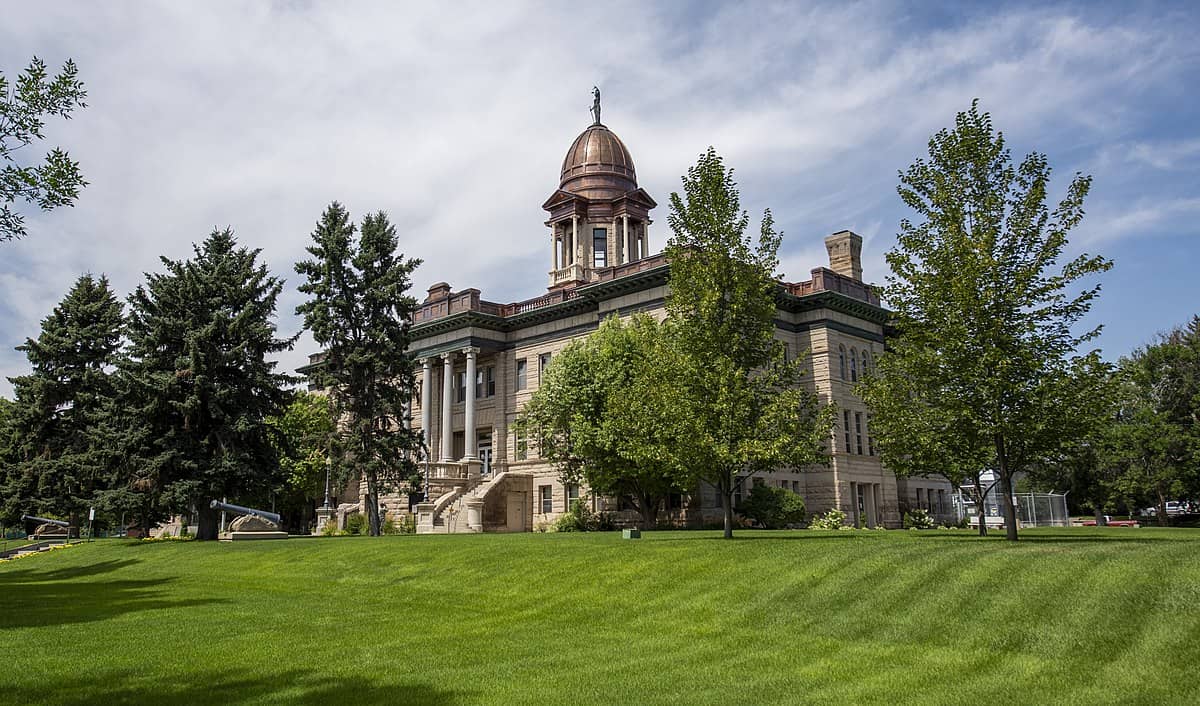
(613, 242)
(447, 401)
(469, 436)
(554, 247)
(624, 238)
(646, 239)
(575, 239)
(427, 404)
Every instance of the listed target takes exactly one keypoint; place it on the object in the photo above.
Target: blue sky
(455, 119)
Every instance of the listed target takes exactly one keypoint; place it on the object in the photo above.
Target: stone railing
(826, 280)
(616, 272)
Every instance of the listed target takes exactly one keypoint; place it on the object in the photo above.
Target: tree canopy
(197, 383)
(602, 418)
(59, 425)
(360, 312)
(25, 103)
(739, 405)
(987, 359)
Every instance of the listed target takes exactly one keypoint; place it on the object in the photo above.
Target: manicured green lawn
(1090, 616)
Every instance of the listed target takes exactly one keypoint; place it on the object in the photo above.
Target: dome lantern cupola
(599, 217)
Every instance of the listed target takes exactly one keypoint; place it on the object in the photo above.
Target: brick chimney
(845, 254)
(441, 290)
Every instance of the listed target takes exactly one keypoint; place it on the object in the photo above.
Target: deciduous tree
(739, 405)
(25, 103)
(603, 418)
(984, 311)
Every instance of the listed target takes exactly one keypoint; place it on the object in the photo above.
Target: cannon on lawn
(49, 528)
(251, 523)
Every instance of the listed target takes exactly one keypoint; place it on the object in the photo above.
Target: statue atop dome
(596, 105)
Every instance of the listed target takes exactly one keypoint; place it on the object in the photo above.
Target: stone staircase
(460, 510)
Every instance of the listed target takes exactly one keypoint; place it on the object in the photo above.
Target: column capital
(425, 361)
(470, 351)
(447, 356)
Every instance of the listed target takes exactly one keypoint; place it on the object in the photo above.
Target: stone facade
(480, 361)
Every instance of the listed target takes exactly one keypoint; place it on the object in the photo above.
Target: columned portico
(447, 402)
(469, 436)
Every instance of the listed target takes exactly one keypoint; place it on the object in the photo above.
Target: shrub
(331, 530)
(835, 519)
(578, 519)
(773, 508)
(918, 519)
(357, 524)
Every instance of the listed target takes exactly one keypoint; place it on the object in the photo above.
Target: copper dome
(598, 166)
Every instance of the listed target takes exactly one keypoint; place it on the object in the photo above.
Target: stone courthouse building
(480, 361)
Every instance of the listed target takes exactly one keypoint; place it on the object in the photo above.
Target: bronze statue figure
(596, 104)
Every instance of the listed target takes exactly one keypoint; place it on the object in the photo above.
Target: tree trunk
(648, 510)
(1006, 505)
(725, 487)
(207, 520)
(981, 513)
(1162, 506)
(373, 521)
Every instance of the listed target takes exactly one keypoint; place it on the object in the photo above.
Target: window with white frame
(522, 374)
(460, 386)
(546, 493)
(571, 493)
(521, 440)
(543, 363)
(485, 382)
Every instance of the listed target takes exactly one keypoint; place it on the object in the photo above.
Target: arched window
(853, 365)
(842, 360)
(866, 361)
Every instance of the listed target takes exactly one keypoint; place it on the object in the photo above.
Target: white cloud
(455, 121)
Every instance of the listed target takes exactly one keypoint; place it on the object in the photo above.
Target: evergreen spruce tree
(197, 385)
(57, 426)
(360, 312)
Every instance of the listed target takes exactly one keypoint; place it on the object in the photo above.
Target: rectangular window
(846, 427)
(460, 385)
(521, 441)
(417, 395)
(600, 247)
(920, 502)
(870, 439)
(522, 375)
(545, 491)
(796, 487)
(858, 431)
(571, 493)
(485, 382)
(543, 363)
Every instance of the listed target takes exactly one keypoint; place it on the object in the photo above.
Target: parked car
(1174, 507)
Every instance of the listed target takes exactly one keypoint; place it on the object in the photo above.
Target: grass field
(1066, 616)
